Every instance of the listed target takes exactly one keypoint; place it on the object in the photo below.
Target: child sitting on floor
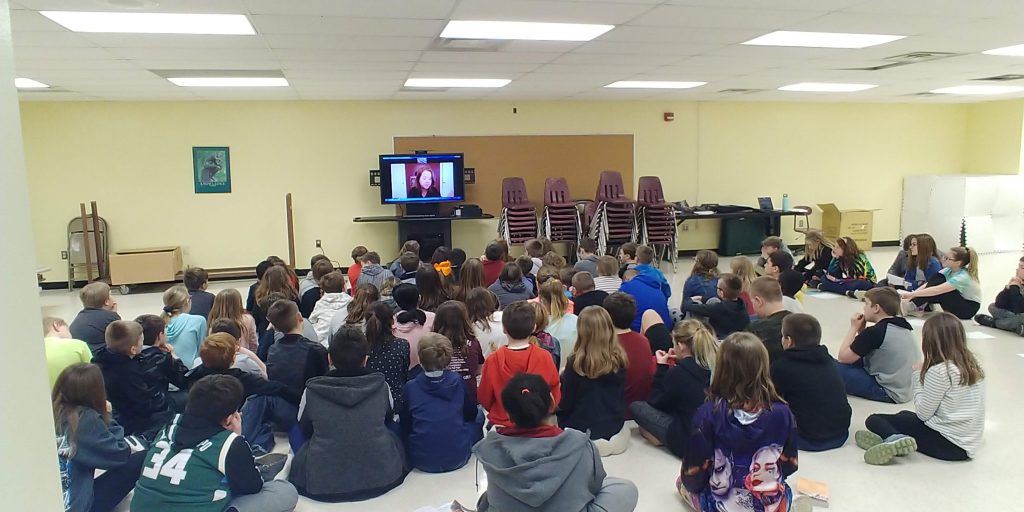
(949, 402)
(201, 462)
(805, 375)
(703, 280)
(743, 442)
(849, 271)
(744, 269)
(438, 422)
(312, 294)
(594, 384)
(1007, 312)
(196, 280)
(334, 299)
(726, 312)
(677, 391)
(543, 338)
(350, 453)
(519, 356)
(184, 330)
(817, 256)
(875, 362)
(99, 310)
(293, 359)
(88, 440)
(139, 398)
(158, 362)
(955, 289)
(61, 350)
(607, 279)
(564, 472)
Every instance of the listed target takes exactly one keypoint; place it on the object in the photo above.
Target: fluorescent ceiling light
(826, 87)
(822, 39)
(1012, 51)
(653, 84)
(28, 83)
(469, 29)
(152, 22)
(229, 81)
(456, 82)
(978, 89)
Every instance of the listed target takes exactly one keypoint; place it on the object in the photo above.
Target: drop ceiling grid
(352, 49)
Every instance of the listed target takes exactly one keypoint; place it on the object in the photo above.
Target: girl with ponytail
(389, 356)
(411, 323)
(956, 288)
(554, 455)
(679, 389)
(184, 331)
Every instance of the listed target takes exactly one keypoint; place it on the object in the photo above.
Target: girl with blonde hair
(228, 305)
(561, 323)
(185, 332)
(955, 288)
(678, 390)
(949, 402)
(744, 269)
(817, 255)
(594, 384)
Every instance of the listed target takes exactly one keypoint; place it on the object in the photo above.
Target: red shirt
(504, 364)
(640, 372)
(353, 273)
(492, 271)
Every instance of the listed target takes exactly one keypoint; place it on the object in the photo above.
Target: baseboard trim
(878, 243)
(216, 274)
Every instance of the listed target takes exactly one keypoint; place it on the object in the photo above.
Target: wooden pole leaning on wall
(101, 256)
(86, 240)
(291, 229)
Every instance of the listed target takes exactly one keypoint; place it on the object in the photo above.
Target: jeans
(652, 420)
(261, 414)
(951, 302)
(929, 442)
(817, 445)
(616, 495)
(842, 287)
(1006, 320)
(276, 496)
(113, 485)
(861, 383)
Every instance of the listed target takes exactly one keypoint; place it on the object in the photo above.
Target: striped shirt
(951, 409)
(607, 284)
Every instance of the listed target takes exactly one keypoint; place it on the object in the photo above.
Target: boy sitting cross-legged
(200, 462)
(438, 422)
(350, 454)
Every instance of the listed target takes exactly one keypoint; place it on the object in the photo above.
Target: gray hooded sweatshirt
(543, 474)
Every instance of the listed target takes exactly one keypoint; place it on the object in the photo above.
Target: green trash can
(741, 235)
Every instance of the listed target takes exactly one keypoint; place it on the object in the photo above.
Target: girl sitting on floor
(956, 288)
(817, 256)
(703, 281)
(849, 270)
(949, 400)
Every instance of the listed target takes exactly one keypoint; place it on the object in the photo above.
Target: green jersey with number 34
(184, 478)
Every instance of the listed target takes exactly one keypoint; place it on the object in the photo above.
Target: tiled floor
(912, 483)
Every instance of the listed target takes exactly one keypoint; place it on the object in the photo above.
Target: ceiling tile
(291, 24)
(732, 18)
(346, 42)
(548, 11)
(417, 9)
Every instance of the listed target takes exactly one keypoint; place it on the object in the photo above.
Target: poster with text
(211, 169)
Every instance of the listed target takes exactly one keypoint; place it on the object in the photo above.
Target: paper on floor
(977, 335)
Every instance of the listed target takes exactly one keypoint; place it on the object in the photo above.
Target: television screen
(433, 178)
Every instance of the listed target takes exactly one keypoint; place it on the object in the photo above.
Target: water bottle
(785, 202)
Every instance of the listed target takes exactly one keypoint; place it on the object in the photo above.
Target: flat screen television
(417, 179)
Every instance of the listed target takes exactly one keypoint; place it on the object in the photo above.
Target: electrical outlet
(801, 223)
(684, 227)
(318, 244)
(63, 255)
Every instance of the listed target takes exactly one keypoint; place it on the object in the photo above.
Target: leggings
(110, 488)
(842, 287)
(951, 302)
(929, 442)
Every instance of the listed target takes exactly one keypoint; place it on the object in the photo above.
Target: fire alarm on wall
(670, 116)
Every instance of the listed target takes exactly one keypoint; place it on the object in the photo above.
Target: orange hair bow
(445, 268)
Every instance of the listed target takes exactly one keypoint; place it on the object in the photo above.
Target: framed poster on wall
(211, 170)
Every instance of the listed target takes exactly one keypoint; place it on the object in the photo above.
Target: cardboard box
(856, 224)
(149, 265)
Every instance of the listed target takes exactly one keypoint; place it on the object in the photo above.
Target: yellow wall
(994, 137)
(135, 160)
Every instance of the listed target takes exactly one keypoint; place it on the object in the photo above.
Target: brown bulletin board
(578, 158)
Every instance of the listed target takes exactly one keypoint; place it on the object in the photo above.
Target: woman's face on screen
(426, 179)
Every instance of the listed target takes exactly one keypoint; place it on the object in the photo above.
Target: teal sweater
(185, 332)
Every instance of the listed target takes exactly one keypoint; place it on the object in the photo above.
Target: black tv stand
(430, 231)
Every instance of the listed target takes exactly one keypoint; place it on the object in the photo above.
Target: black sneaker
(851, 294)
(1020, 330)
(985, 320)
(270, 465)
